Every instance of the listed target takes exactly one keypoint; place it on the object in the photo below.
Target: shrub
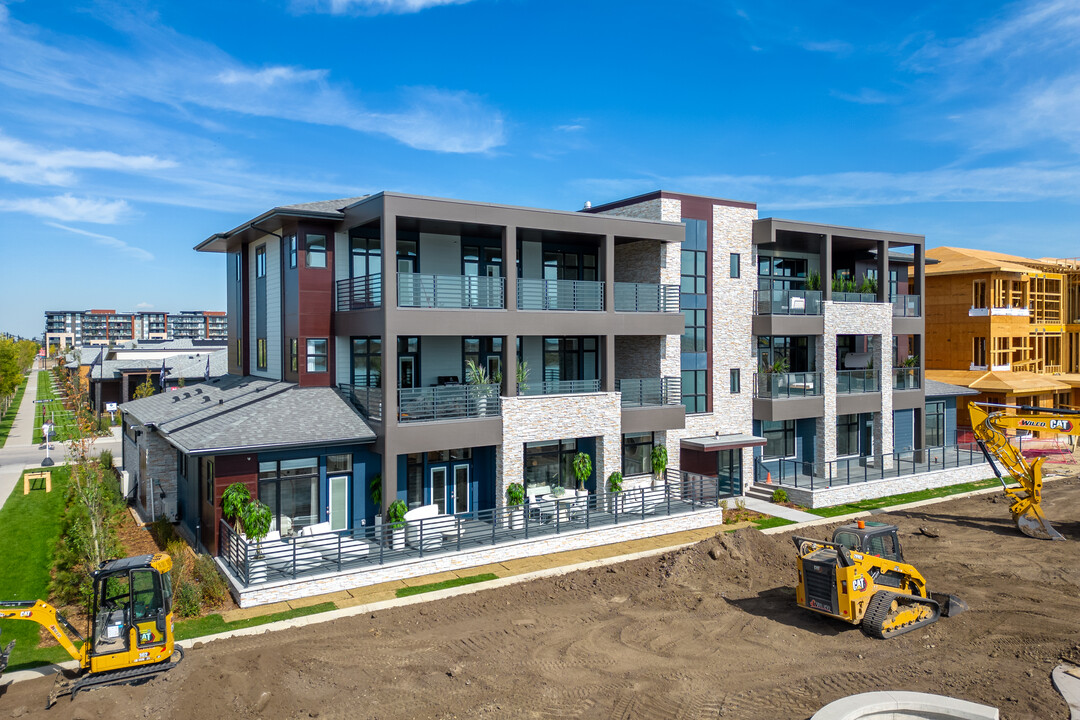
(614, 482)
(214, 589)
(105, 459)
(582, 467)
(163, 532)
(103, 425)
(186, 600)
(659, 460)
(779, 495)
(396, 513)
(375, 488)
(515, 494)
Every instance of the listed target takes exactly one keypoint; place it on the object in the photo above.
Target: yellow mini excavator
(131, 626)
(991, 424)
(861, 577)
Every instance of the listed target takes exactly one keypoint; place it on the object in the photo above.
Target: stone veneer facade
(160, 470)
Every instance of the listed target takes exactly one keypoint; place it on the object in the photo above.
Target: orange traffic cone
(768, 477)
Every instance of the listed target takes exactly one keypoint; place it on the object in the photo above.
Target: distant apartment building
(1006, 326)
(77, 328)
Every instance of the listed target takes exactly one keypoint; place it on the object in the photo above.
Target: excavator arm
(47, 616)
(990, 424)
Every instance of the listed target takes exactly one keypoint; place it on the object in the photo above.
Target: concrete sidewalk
(19, 452)
(768, 508)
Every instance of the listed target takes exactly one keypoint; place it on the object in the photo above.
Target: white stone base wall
(458, 561)
(840, 494)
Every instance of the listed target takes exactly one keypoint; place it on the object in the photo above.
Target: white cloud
(110, 242)
(370, 7)
(23, 162)
(270, 76)
(70, 208)
(144, 305)
(574, 127)
(865, 96)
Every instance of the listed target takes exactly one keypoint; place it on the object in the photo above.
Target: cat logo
(1062, 425)
(858, 584)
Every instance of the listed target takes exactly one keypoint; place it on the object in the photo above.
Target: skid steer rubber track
(890, 614)
(73, 685)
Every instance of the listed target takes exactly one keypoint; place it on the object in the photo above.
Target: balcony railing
(450, 291)
(788, 302)
(907, 378)
(857, 381)
(276, 559)
(907, 306)
(646, 297)
(448, 402)
(780, 386)
(359, 293)
(368, 400)
(539, 294)
(559, 387)
(847, 297)
(649, 392)
(849, 471)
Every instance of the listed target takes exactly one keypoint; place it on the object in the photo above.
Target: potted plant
(257, 517)
(395, 515)
(582, 467)
(659, 459)
(477, 374)
(515, 500)
(234, 500)
(614, 487)
(523, 377)
(375, 490)
(813, 280)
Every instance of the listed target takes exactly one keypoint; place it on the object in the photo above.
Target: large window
(637, 453)
(367, 362)
(316, 251)
(693, 339)
(693, 390)
(291, 489)
(290, 241)
(260, 354)
(935, 423)
(260, 261)
(779, 438)
(549, 464)
(847, 435)
(316, 355)
(781, 273)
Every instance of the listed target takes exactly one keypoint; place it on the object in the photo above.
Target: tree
(146, 388)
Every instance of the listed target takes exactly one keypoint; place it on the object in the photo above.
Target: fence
(448, 402)
(857, 381)
(647, 392)
(907, 378)
(537, 294)
(907, 306)
(368, 400)
(276, 560)
(646, 297)
(359, 293)
(559, 387)
(450, 291)
(780, 386)
(847, 471)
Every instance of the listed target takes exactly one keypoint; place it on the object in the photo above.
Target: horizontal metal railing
(907, 378)
(854, 297)
(857, 381)
(787, 302)
(788, 385)
(646, 297)
(368, 400)
(359, 293)
(907, 306)
(448, 402)
(539, 294)
(283, 559)
(559, 387)
(848, 471)
(450, 291)
(646, 392)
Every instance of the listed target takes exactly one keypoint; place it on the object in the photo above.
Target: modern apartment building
(76, 328)
(1006, 326)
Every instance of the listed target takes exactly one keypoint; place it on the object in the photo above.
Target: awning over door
(715, 443)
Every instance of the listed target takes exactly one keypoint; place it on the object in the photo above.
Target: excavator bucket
(950, 604)
(1033, 523)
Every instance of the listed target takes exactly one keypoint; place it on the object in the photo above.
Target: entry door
(866, 436)
(461, 489)
(338, 509)
(407, 372)
(439, 489)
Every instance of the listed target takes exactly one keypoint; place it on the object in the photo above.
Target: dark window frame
(735, 381)
(695, 393)
(936, 414)
(294, 353)
(291, 240)
(735, 265)
(636, 440)
(310, 355)
(786, 434)
(314, 256)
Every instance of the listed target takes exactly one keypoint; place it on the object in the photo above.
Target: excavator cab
(132, 613)
(873, 538)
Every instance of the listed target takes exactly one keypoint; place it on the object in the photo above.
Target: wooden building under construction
(1004, 325)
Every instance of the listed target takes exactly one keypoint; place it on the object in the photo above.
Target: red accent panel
(229, 469)
(315, 305)
(696, 461)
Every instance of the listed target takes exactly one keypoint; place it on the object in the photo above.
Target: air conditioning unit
(127, 485)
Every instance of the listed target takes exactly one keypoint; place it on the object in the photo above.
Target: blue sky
(131, 131)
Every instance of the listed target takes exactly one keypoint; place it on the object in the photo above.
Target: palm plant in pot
(659, 460)
(582, 467)
(257, 519)
(614, 488)
(395, 516)
(233, 501)
(375, 490)
(515, 501)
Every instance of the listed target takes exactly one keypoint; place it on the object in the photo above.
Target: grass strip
(456, 582)
(9, 418)
(771, 522)
(903, 498)
(213, 624)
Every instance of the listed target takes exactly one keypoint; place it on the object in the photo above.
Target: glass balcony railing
(847, 297)
(907, 306)
(540, 294)
(359, 293)
(559, 387)
(907, 378)
(650, 392)
(780, 386)
(448, 402)
(646, 297)
(857, 381)
(788, 302)
(450, 291)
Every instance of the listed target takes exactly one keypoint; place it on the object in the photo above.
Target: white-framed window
(316, 355)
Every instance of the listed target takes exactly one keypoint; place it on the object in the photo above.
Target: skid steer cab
(861, 577)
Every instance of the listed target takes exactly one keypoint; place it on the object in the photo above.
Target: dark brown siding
(229, 469)
(315, 302)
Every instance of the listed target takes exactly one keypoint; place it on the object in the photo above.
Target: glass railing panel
(907, 378)
(788, 302)
(788, 385)
(857, 381)
(907, 306)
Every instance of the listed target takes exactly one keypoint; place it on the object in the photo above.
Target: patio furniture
(426, 526)
(329, 543)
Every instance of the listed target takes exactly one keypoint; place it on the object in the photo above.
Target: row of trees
(16, 356)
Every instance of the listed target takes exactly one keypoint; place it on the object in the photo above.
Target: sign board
(110, 407)
(41, 352)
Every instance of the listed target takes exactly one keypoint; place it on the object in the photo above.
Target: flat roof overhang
(766, 229)
(715, 443)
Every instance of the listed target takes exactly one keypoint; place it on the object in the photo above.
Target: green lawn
(9, 419)
(213, 624)
(431, 587)
(889, 500)
(65, 422)
(29, 529)
(771, 522)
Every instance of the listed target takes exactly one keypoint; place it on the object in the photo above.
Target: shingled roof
(234, 414)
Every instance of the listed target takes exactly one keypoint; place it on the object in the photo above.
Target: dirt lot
(680, 636)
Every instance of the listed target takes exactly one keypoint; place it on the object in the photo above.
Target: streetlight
(47, 429)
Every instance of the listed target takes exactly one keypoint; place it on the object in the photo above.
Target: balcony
(473, 292)
(857, 381)
(540, 294)
(650, 392)
(559, 387)
(780, 386)
(787, 302)
(359, 293)
(854, 297)
(368, 400)
(850, 471)
(448, 402)
(907, 378)
(646, 297)
(907, 306)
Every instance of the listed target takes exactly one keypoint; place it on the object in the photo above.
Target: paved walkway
(768, 508)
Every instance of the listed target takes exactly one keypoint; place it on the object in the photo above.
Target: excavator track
(67, 685)
(890, 614)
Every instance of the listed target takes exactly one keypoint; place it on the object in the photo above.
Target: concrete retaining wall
(840, 494)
